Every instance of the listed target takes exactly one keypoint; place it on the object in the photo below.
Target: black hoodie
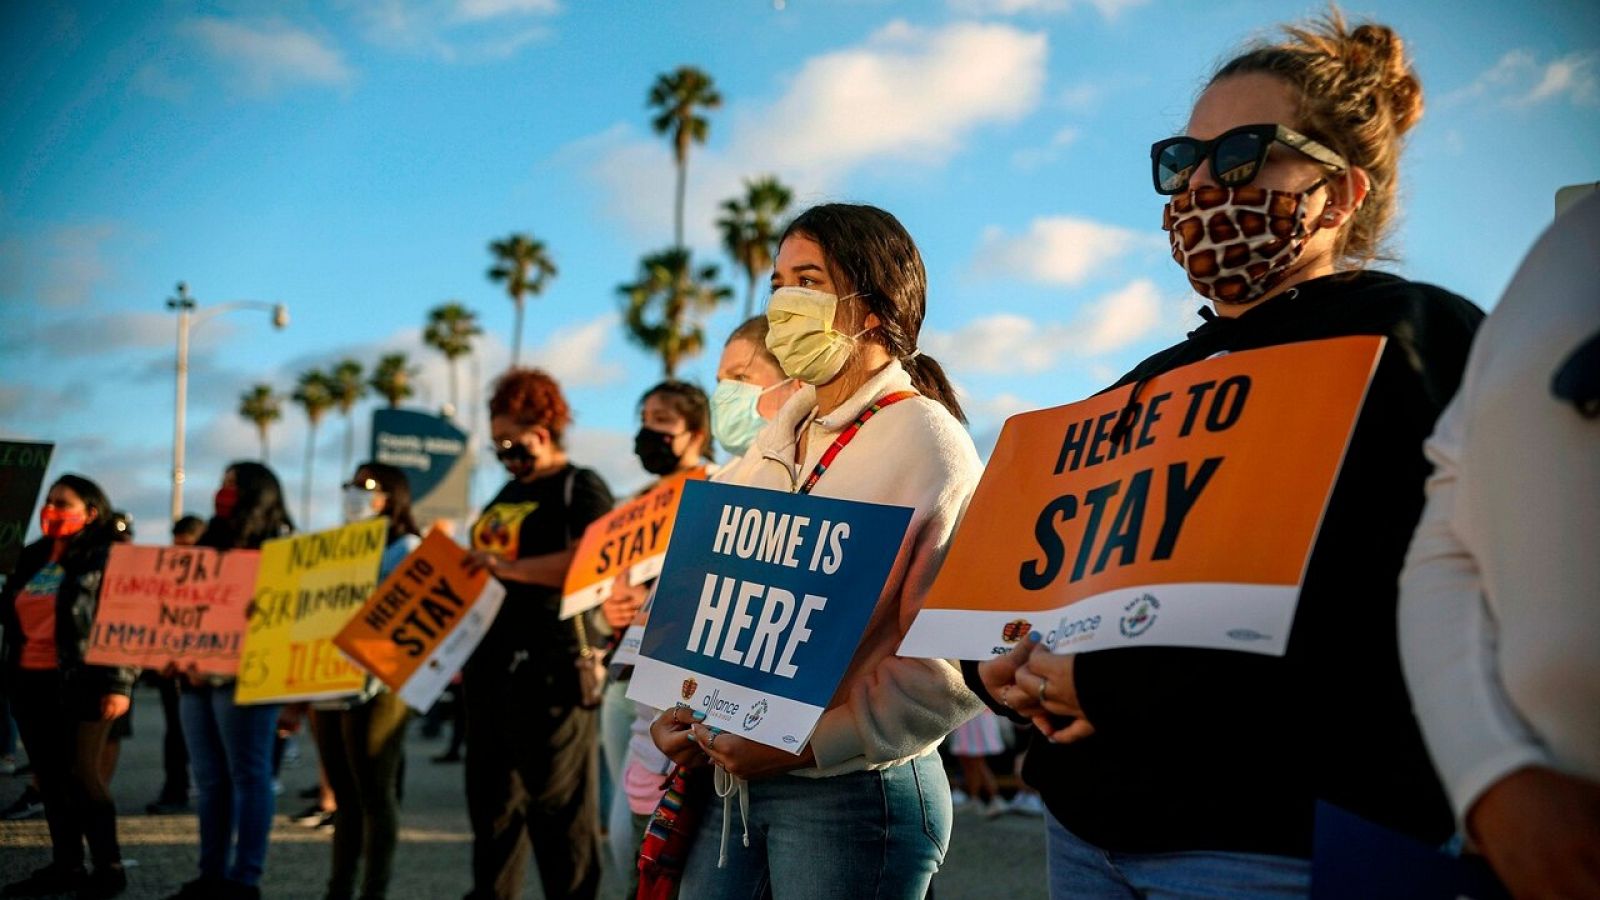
(1199, 749)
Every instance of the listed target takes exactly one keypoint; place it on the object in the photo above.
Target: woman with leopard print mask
(1198, 771)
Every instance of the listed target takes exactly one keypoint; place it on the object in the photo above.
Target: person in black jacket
(532, 769)
(1197, 770)
(64, 707)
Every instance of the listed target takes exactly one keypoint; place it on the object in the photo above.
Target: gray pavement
(1002, 857)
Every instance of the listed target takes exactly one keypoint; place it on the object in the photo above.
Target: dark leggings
(65, 738)
(362, 751)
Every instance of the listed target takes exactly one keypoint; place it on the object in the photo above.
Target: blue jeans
(230, 750)
(1080, 869)
(862, 835)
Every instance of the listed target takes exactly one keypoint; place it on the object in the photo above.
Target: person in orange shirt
(64, 707)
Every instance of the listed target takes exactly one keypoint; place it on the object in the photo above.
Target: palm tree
(668, 280)
(348, 386)
(678, 97)
(392, 377)
(524, 265)
(450, 330)
(314, 392)
(750, 229)
(261, 406)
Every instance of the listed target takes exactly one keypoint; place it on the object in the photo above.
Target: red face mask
(61, 523)
(227, 498)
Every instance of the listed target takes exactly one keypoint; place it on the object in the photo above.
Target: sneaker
(28, 806)
(996, 807)
(959, 799)
(326, 822)
(200, 889)
(311, 816)
(1028, 804)
(46, 882)
(104, 883)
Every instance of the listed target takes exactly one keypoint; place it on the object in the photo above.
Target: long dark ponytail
(870, 251)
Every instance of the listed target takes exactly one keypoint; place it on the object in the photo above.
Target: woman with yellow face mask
(867, 793)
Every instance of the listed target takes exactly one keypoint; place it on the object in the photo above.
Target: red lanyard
(849, 435)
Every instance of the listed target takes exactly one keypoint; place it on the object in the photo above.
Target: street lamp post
(188, 317)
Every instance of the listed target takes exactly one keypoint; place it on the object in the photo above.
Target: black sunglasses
(1236, 155)
(511, 452)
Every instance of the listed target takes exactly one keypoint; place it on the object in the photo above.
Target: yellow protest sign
(307, 588)
(1184, 515)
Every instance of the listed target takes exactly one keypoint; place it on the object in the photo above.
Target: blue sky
(353, 159)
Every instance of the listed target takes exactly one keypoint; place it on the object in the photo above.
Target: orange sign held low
(420, 625)
(1184, 515)
(630, 541)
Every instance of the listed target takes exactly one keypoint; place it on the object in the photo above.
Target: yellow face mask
(800, 334)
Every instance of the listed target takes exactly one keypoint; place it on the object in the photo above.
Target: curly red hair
(531, 397)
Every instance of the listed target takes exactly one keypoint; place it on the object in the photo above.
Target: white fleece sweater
(1500, 597)
(888, 709)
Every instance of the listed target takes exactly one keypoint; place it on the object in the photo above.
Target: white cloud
(93, 335)
(1108, 9)
(62, 267)
(454, 31)
(1031, 158)
(1057, 250)
(270, 55)
(475, 10)
(1520, 79)
(1011, 344)
(906, 95)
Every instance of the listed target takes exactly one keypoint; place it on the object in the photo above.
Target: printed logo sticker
(1141, 614)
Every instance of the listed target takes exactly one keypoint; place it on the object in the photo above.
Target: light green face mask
(800, 334)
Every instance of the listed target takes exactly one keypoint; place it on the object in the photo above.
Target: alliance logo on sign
(689, 687)
(1140, 615)
(756, 714)
(1015, 630)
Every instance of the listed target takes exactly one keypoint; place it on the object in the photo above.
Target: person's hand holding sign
(1038, 684)
(745, 758)
(673, 737)
(114, 706)
(623, 603)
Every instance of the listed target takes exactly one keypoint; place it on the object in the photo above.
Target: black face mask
(654, 449)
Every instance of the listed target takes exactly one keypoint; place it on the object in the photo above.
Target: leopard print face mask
(1236, 244)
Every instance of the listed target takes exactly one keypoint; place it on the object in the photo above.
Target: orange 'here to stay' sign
(630, 540)
(420, 625)
(1190, 525)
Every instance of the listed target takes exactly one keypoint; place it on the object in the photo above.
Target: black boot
(104, 882)
(48, 881)
(201, 889)
(233, 890)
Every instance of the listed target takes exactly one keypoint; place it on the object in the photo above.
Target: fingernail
(698, 715)
(1035, 637)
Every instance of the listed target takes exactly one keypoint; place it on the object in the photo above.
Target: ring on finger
(711, 742)
(1043, 683)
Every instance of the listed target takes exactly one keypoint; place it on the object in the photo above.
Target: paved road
(1003, 857)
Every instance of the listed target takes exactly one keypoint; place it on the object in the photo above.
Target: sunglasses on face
(1236, 155)
(511, 452)
(362, 484)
